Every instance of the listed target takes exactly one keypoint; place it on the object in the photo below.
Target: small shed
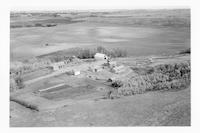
(100, 56)
(76, 72)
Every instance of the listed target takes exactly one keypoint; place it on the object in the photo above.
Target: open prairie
(155, 36)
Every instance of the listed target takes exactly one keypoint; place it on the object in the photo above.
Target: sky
(24, 5)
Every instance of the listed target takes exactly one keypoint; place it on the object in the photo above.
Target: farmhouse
(100, 56)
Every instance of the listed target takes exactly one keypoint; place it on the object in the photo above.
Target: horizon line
(103, 9)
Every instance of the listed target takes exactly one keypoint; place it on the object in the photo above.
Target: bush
(16, 26)
(38, 25)
(118, 53)
(101, 49)
(143, 70)
(164, 77)
(117, 84)
(13, 85)
(19, 81)
(50, 25)
(85, 53)
(16, 83)
(187, 51)
(89, 53)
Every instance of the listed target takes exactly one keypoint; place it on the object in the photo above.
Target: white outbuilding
(76, 72)
(100, 56)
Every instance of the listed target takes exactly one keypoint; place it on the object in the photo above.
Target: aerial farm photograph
(100, 68)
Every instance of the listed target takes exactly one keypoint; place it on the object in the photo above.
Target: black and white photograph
(122, 67)
(99, 64)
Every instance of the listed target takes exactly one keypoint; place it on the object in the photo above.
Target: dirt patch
(68, 92)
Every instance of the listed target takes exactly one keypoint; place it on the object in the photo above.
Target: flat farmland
(138, 41)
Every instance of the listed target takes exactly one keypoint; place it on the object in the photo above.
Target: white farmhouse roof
(100, 56)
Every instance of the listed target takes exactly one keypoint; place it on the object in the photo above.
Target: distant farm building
(59, 65)
(76, 72)
(119, 69)
(100, 56)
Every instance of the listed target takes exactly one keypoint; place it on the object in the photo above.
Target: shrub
(38, 25)
(89, 53)
(174, 71)
(118, 53)
(117, 84)
(143, 70)
(13, 85)
(16, 83)
(187, 51)
(85, 53)
(16, 26)
(101, 49)
(50, 25)
(164, 77)
(19, 81)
